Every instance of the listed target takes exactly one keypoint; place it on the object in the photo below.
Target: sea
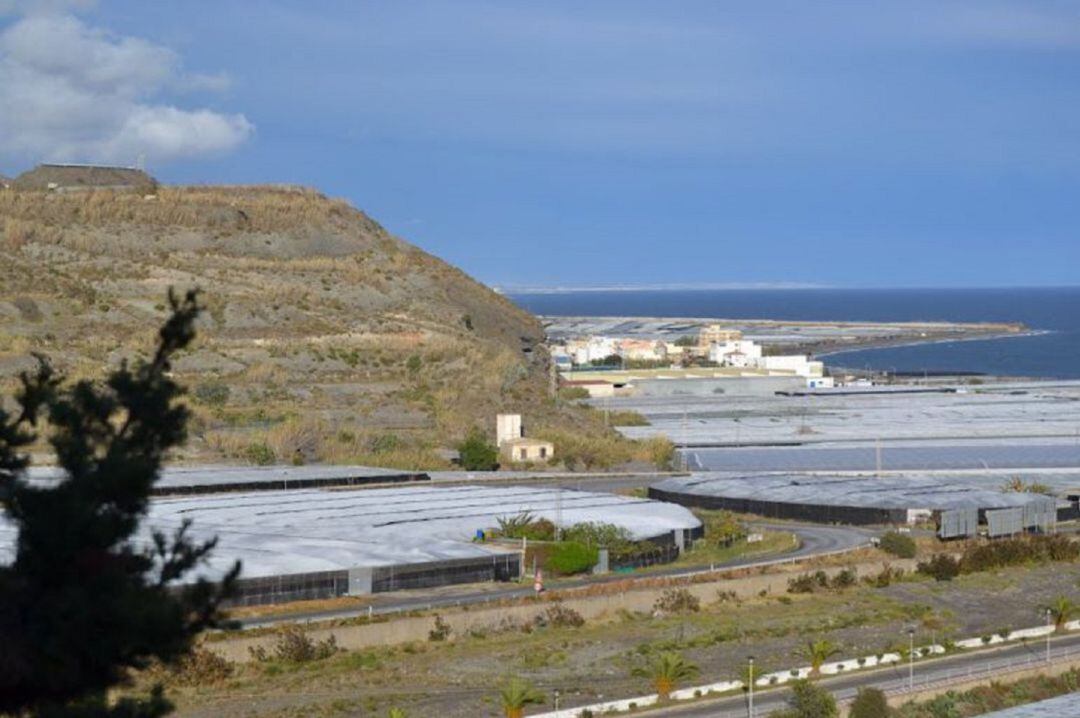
(1051, 350)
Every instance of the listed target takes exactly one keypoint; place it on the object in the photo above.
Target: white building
(736, 352)
(591, 349)
(798, 364)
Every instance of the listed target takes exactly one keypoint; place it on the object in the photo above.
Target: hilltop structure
(73, 178)
(515, 446)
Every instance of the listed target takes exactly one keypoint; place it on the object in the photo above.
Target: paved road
(942, 671)
(896, 458)
(814, 540)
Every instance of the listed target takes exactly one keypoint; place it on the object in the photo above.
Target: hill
(326, 337)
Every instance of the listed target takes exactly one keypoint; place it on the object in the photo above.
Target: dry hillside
(326, 338)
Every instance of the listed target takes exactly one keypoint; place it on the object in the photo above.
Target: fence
(379, 579)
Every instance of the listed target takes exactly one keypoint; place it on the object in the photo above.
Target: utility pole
(750, 707)
(911, 660)
(553, 380)
(558, 513)
(685, 458)
(1050, 626)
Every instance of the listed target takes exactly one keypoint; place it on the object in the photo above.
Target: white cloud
(71, 92)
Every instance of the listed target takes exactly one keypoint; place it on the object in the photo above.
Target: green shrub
(201, 668)
(941, 567)
(898, 545)
(677, 600)
(598, 534)
(570, 557)
(441, 631)
(845, 579)
(559, 616)
(293, 645)
(523, 525)
(260, 454)
(384, 444)
(870, 703)
(1018, 551)
(571, 393)
(477, 453)
(808, 700)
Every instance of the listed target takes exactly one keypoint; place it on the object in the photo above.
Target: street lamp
(750, 707)
(911, 659)
(1050, 627)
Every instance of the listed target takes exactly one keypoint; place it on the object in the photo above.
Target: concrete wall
(592, 608)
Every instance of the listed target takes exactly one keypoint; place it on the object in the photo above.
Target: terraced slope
(326, 337)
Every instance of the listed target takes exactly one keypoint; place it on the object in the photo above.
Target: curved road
(814, 540)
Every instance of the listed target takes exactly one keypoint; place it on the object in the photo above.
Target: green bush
(260, 454)
(941, 567)
(384, 444)
(523, 525)
(477, 453)
(598, 534)
(870, 703)
(808, 700)
(293, 645)
(677, 600)
(570, 557)
(1018, 551)
(898, 545)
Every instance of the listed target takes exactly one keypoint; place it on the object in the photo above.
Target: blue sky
(912, 143)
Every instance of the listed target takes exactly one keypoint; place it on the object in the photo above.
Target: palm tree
(817, 652)
(1062, 610)
(516, 694)
(667, 670)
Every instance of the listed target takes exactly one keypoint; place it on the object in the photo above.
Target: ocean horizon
(1050, 350)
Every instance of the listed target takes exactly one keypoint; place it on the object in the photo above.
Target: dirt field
(460, 675)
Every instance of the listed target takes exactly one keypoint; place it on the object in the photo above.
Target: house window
(524, 454)
(543, 452)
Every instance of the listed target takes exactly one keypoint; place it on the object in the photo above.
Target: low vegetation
(326, 339)
(898, 544)
(993, 696)
(666, 671)
(808, 700)
(992, 555)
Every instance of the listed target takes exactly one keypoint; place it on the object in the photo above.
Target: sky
(907, 143)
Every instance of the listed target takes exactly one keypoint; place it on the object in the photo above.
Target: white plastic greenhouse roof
(309, 530)
(1066, 706)
(886, 492)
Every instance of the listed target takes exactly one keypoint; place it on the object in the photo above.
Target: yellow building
(717, 334)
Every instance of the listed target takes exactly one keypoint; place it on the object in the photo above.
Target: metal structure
(957, 523)
(958, 505)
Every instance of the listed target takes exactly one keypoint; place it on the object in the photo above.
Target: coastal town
(539, 360)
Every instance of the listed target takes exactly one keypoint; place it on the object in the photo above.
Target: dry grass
(318, 321)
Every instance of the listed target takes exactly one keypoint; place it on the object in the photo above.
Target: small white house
(736, 352)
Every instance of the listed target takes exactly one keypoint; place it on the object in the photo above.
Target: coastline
(820, 338)
(872, 345)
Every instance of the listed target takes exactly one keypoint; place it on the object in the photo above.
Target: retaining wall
(399, 630)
